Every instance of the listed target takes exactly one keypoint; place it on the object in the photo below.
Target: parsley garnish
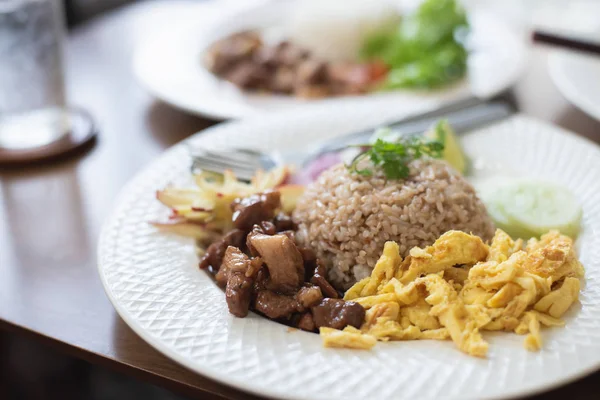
(394, 157)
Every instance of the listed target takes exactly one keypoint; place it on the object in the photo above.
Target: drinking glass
(33, 110)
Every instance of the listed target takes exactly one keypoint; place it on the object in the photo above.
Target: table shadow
(582, 123)
(168, 125)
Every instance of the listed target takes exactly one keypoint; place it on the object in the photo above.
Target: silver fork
(242, 162)
(463, 116)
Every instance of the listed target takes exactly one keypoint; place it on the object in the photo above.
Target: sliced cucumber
(494, 202)
(540, 207)
(527, 208)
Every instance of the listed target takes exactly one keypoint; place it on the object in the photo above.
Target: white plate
(154, 282)
(170, 64)
(577, 76)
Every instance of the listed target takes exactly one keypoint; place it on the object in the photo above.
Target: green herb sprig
(394, 157)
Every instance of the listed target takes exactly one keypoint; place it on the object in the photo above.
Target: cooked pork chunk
(238, 294)
(233, 260)
(290, 55)
(227, 53)
(283, 80)
(248, 74)
(311, 71)
(254, 209)
(309, 296)
(319, 279)
(306, 322)
(282, 258)
(287, 68)
(238, 291)
(337, 314)
(214, 254)
(283, 222)
(268, 228)
(275, 305)
(262, 269)
(290, 234)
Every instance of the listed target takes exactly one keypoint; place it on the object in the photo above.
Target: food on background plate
(460, 286)
(425, 50)
(395, 245)
(345, 48)
(245, 60)
(334, 30)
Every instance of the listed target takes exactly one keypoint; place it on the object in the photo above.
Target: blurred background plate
(577, 76)
(170, 66)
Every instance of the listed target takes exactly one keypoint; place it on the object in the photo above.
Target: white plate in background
(169, 64)
(154, 282)
(577, 77)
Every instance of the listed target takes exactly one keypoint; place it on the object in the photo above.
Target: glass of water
(33, 110)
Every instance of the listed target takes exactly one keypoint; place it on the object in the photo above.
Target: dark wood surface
(50, 215)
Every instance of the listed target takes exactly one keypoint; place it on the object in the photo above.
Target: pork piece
(283, 222)
(309, 296)
(283, 80)
(337, 314)
(227, 53)
(238, 294)
(275, 305)
(267, 56)
(233, 260)
(256, 264)
(311, 71)
(238, 290)
(306, 322)
(214, 254)
(289, 55)
(290, 234)
(257, 230)
(268, 228)
(319, 279)
(283, 55)
(254, 209)
(310, 262)
(238, 262)
(355, 78)
(262, 281)
(313, 91)
(283, 260)
(248, 75)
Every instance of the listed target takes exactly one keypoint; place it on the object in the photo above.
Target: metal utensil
(463, 116)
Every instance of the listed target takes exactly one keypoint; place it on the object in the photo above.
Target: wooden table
(50, 215)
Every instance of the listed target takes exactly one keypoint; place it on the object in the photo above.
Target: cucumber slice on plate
(540, 207)
(527, 208)
(495, 209)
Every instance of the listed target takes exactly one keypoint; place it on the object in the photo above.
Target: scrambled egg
(461, 286)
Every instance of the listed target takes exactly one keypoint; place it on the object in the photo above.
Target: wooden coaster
(82, 132)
